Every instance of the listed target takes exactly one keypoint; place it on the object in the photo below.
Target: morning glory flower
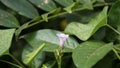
(45, 1)
(62, 38)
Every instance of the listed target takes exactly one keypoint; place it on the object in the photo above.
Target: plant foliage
(29, 28)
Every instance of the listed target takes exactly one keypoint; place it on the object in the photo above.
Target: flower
(62, 38)
(45, 1)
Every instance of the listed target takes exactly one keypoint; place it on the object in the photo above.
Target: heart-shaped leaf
(89, 53)
(5, 40)
(84, 31)
(50, 39)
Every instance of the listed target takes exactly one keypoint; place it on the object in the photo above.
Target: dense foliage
(34, 33)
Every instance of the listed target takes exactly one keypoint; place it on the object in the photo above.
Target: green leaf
(23, 7)
(33, 54)
(106, 62)
(114, 14)
(47, 5)
(100, 1)
(82, 16)
(38, 59)
(65, 2)
(8, 20)
(89, 53)
(69, 8)
(84, 31)
(49, 37)
(45, 16)
(86, 3)
(100, 34)
(5, 40)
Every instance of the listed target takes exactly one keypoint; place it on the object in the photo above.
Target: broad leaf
(89, 53)
(47, 5)
(23, 7)
(50, 39)
(81, 16)
(7, 19)
(65, 2)
(84, 31)
(5, 40)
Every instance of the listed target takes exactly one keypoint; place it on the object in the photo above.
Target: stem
(58, 55)
(11, 63)
(113, 29)
(16, 60)
(59, 61)
(63, 13)
(116, 53)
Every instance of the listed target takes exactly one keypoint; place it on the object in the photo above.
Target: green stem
(16, 60)
(59, 61)
(11, 63)
(113, 29)
(63, 13)
(58, 55)
(117, 48)
(116, 53)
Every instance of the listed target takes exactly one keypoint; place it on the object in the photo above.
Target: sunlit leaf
(23, 7)
(84, 31)
(7, 19)
(89, 53)
(5, 40)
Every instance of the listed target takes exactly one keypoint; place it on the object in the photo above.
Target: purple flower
(62, 38)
